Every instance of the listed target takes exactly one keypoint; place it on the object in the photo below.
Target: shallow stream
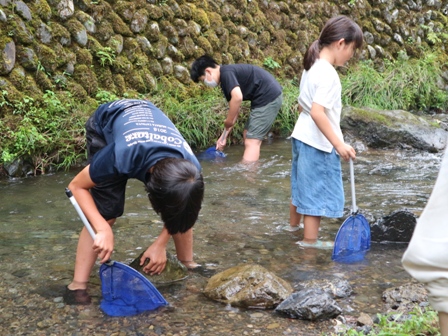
(241, 221)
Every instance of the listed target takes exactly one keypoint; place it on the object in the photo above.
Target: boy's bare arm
(234, 107)
(104, 241)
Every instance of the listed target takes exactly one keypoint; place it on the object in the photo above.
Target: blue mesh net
(126, 292)
(210, 154)
(352, 240)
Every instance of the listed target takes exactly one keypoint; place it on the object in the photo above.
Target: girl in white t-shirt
(317, 141)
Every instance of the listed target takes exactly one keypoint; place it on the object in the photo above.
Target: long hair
(339, 27)
(176, 189)
(199, 65)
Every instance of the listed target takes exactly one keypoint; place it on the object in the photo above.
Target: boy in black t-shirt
(243, 82)
(134, 139)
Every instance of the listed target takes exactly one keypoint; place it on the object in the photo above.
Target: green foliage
(45, 132)
(288, 114)
(106, 56)
(50, 131)
(199, 116)
(419, 322)
(407, 84)
(271, 64)
(103, 96)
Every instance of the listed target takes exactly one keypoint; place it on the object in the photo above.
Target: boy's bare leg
(184, 248)
(443, 323)
(85, 259)
(251, 149)
(311, 228)
(294, 217)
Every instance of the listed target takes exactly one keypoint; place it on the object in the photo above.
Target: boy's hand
(157, 259)
(104, 245)
(221, 143)
(346, 151)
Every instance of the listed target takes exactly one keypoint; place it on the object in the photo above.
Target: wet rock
(309, 304)
(174, 270)
(396, 227)
(364, 320)
(15, 168)
(248, 286)
(393, 129)
(336, 288)
(23, 10)
(7, 56)
(404, 298)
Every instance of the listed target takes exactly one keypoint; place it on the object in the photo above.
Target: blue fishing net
(126, 292)
(211, 154)
(352, 240)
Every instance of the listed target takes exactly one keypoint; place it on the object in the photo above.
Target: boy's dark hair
(339, 27)
(176, 189)
(199, 65)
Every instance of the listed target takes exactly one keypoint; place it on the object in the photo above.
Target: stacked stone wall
(83, 46)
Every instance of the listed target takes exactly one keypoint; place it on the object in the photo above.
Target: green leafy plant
(270, 63)
(418, 322)
(407, 84)
(106, 56)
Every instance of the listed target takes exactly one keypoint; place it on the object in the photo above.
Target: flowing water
(243, 212)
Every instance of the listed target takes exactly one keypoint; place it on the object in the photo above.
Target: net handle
(80, 212)
(352, 183)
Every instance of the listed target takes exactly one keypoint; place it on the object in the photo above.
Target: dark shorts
(109, 196)
(261, 119)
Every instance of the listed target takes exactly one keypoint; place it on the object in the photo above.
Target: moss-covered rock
(17, 29)
(122, 65)
(118, 25)
(152, 31)
(41, 8)
(120, 84)
(135, 81)
(85, 76)
(155, 12)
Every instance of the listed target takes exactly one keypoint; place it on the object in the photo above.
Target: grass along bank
(49, 133)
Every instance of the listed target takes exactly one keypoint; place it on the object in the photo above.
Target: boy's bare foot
(191, 265)
(76, 297)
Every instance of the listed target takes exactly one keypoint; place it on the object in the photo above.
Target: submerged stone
(309, 304)
(174, 270)
(248, 286)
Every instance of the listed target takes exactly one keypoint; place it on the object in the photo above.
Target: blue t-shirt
(138, 135)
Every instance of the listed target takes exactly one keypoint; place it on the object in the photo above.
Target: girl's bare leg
(311, 228)
(294, 217)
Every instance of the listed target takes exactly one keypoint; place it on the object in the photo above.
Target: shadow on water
(243, 212)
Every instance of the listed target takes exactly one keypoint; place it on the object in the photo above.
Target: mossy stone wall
(83, 46)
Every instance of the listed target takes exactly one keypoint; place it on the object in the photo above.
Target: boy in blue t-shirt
(134, 139)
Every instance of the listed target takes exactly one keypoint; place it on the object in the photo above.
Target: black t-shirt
(138, 135)
(256, 84)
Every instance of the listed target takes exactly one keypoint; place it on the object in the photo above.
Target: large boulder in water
(248, 286)
(396, 227)
(174, 270)
(393, 129)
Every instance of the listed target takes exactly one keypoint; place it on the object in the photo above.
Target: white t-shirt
(321, 85)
